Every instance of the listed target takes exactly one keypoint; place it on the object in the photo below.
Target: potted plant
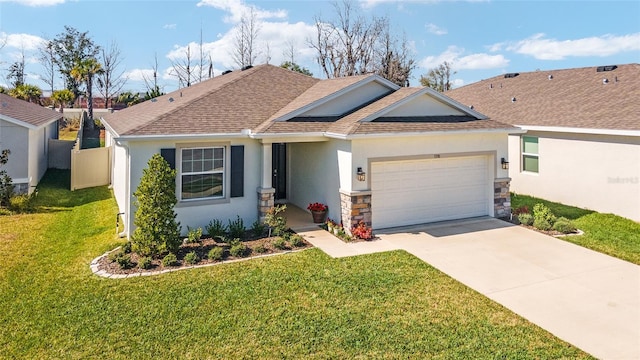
(318, 211)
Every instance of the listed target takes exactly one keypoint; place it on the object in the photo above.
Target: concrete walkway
(586, 298)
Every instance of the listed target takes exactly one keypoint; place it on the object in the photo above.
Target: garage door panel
(418, 191)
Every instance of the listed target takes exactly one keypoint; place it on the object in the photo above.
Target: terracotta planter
(319, 216)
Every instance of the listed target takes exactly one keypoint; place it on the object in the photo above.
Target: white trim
(178, 137)
(226, 172)
(337, 94)
(424, 133)
(531, 155)
(286, 137)
(580, 130)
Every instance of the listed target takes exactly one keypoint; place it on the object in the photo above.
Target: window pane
(208, 153)
(530, 163)
(219, 153)
(201, 186)
(207, 165)
(187, 154)
(187, 166)
(530, 145)
(197, 166)
(218, 165)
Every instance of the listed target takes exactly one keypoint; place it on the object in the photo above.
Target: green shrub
(4, 211)
(238, 249)
(258, 228)
(21, 203)
(525, 219)
(279, 243)
(296, 241)
(542, 224)
(216, 229)
(126, 247)
(564, 226)
(260, 249)
(277, 224)
(236, 228)
(543, 214)
(191, 258)
(144, 262)
(156, 230)
(123, 260)
(170, 260)
(286, 236)
(114, 255)
(216, 253)
(194, 235)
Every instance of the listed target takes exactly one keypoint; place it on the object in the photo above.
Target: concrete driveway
(586, 298)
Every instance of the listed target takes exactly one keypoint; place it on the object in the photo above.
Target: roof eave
(28, 125)
(189, 137)
(575, 130)
(424, 133)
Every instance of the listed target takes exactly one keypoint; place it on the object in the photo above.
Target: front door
(279, 172)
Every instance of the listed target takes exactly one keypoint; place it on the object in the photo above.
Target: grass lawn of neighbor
(297, 305)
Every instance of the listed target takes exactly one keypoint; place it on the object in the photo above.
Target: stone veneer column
(501, 198)
(266, 200)
(355, 207)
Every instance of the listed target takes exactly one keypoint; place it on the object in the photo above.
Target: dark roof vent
(247, 67)
(154, 100)
(605, 81)
(550, 77)
(471, 107)
(511, 75)
(170, 99)
(226, 72)
(606, 68)
(513, 99)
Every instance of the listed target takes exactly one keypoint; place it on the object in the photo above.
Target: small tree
(6, 186)
(157, 230)
(62, 97)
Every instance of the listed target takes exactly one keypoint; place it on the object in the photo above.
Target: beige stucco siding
(598, 172)
(16, 139)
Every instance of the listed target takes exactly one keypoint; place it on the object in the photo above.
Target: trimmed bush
(277, 224)
(216, 229)
(238, 249)
(216, 253)
(194, 235)
(236, 228)
(296, 241)
(170, 260)
(279, 243)
(191, 258)
(21, 203)
(258, 228)
(564, 226)
(260, 249)
(144, 263)
(526, 219)
(126, 247)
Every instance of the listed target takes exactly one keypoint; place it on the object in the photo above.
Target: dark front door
(279, 165)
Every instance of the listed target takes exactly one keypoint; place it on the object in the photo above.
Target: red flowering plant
(317, 207)
(362, 231)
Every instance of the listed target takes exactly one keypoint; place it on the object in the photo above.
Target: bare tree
(201, 58)
(111, 81)
(396, 62)
(47, 56)
(182, 69)
(289, 51)
(16, 71)
(346, 46)
(245, 52)
(438, 78)
(152, 84)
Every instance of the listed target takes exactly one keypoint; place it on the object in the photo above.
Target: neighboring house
(25, 129)
(582, 140)
(245, 140)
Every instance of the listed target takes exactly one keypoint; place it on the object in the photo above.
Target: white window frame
(225, 174)
(523, 154)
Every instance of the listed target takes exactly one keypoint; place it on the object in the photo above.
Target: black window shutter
(237, 171)
(170, 156)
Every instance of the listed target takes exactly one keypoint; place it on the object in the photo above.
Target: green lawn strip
(606, 233)
(388, 305)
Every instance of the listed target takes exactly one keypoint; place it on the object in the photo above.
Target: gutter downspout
(127, 198)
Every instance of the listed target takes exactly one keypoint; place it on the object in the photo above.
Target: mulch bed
(201, 249)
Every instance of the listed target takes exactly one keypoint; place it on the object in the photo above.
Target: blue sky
(481, 38)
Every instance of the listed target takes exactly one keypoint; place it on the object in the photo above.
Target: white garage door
(411, 192)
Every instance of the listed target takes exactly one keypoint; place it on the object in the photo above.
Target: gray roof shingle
(578, 98)
(30, 114)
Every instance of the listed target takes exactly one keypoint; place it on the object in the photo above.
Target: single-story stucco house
(25, 129)
(582, 140)
(370, 150)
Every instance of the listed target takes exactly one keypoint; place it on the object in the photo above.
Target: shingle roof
(560, 98)
(225, 104)
(31, 115)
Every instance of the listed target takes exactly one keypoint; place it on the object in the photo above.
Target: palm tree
(27, 92)
(84, 71)
(62, 97)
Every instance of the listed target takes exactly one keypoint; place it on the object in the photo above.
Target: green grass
(298, 305)
(606, 233)
(67, 134)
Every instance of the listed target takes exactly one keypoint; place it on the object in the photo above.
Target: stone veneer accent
(501, 198)
(266, 200)
(355, 207)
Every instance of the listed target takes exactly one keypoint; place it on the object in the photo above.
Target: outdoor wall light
(361, 174)
(505, 164)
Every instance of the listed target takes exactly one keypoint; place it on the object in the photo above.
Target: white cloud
(372, 3)
(238, 8)
(170, 26)
(454, 55)
(36, 3)
(25, 42)
(543, 48)
(139, 74)
(435, 29)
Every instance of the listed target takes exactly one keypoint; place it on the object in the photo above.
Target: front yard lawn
(606, 233)
(298, 305)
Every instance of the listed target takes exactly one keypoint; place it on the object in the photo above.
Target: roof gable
(571, 98)
(25, 114)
